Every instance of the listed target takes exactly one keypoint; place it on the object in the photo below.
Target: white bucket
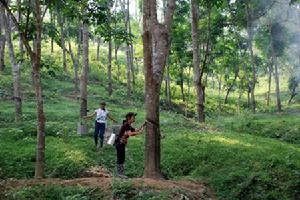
(111, 139)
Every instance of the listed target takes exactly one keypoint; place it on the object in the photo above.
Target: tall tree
(61, 22)
(2, 41)
(156, 43)
(14, 66)
(84, 70)
(198, 72)
(35, 57)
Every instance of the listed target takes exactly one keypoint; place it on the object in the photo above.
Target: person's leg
(97, 128)
(120, 160)
(102, 132)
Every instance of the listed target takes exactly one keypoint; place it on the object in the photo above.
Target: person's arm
(110, 117)
(136, 132)
(89, 116)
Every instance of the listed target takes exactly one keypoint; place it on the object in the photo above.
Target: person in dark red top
(126, 131)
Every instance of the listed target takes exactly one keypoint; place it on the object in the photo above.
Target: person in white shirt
(101, 115)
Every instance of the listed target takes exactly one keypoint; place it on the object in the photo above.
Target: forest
(149, 99)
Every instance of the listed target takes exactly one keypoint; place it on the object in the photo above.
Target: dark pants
(120, 153)
(99, 128)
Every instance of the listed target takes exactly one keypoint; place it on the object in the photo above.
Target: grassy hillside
(240, 157)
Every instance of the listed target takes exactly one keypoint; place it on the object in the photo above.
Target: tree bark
(269, 84)
(117, 61)
(98, 48)
(168, 84)
(231, 86)
(52, 19)
(250, 47)
(84, 71)
(15, 67)
(36, 76)
(109, 87)
(61, 22)
(196, 63)
(156, 43)
(21, 47)
(74, 61)
(2, 40)
(78, 56)
(275, 64)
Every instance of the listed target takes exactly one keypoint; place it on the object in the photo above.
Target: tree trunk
(21, 47)
(188, 93)
(196, 63)
(2, 40)
(130, 68)
(219, 85)
(98, 48)
(168, 85)
(84, 71)
(181, 83)
(269, 84)
(240, 96)
(156, 44)
(117, 61)
(131, 53)
(250, 47)
(275, 64)
(36, 64)
(15, 68)
(61, 22)
(52, 19)
(231, 86)
(109, 88)
(78, 56)
(74, 61)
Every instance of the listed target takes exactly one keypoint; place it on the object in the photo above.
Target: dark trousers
(120, 153)
(99, 128)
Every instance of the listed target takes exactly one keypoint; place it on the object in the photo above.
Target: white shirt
(101, 115)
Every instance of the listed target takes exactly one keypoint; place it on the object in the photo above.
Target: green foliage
(55, 192)
(285, 128)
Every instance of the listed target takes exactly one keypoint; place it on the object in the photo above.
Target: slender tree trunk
(61, 22)
(181, 82)
(278, 101)
(168, 86)
(74, 61)
(220, 85)
(78, 57)
(275, 64)
(15, 68)
(109, 88)
(40, 157)
(196, 63)
(21, 47)
(117, 61)
(240, 96)
(84, 71)
(131, 53)
(188, 93)
(129, 74)
(231, 86)
(269, 84)
(250, 47)
(52, 19)
(98, 48)
(156, 43)
(2, 39)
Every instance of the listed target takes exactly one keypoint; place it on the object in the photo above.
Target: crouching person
(126, 131)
